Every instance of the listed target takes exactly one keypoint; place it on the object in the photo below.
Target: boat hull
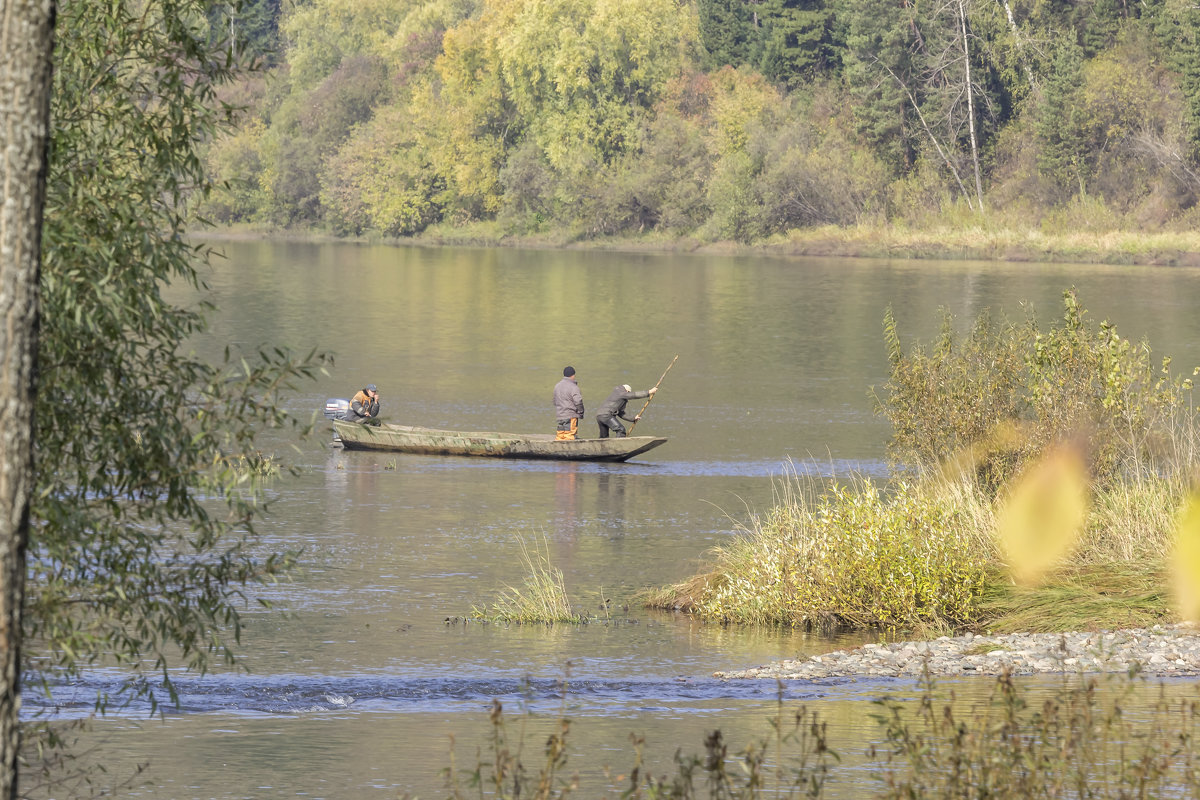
(430, 441)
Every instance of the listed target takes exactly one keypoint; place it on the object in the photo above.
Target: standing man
(568, 405)
(613, 410)
(364, 407)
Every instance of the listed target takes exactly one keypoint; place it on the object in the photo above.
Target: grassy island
(1042, 483)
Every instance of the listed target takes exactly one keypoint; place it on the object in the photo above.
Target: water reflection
(612, 502)
(566, 499)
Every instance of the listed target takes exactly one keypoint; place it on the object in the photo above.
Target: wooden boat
(429, 441)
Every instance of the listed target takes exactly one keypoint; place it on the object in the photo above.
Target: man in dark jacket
(568, 405)
(364, 407)
(613, 410)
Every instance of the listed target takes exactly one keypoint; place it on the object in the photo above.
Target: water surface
(354, 690)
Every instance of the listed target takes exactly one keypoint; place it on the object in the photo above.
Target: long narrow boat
(429, 441)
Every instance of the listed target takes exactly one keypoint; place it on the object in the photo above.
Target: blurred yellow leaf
(1043, 514)
(1186, 563)
(1004, 436)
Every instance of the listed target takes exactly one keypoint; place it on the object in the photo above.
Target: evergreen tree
(878, 68)
(1060, 124)
(1101, 25)
(249, 27)
(727, 32)
(796, 42)
(1176, 27)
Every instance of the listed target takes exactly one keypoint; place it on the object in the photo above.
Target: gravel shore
(1161, 650)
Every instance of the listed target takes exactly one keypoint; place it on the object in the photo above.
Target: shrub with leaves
(1003, 394)
(950, 399)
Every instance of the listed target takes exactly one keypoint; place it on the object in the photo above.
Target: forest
(713, 120)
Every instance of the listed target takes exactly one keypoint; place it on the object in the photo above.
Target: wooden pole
(651, 397)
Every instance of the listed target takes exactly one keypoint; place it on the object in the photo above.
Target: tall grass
(923, 557)
(1073, 234)
(791, 759)
(1087, 737)
(849, 556)
(541, 598)
(1082, 741)
(1080, 597)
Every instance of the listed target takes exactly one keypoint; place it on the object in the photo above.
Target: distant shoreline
(1118, 248)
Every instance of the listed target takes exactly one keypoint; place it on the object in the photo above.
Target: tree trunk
(962, 17)
(932, 137)
(1016, 32)
(26, 45)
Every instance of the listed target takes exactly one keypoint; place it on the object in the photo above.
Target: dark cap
(568, 371)
(371, 387)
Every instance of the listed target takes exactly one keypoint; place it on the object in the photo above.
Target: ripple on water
(297, 694)
(755, 468)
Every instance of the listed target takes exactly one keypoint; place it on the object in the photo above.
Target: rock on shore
(1161, 650)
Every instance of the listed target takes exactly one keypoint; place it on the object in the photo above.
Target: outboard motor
(336, 409)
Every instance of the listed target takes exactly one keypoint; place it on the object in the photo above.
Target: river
(356, 683)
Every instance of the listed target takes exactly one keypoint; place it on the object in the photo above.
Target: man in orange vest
(364, 407)
(568, 405)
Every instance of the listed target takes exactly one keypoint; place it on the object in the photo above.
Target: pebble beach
(1161, 650)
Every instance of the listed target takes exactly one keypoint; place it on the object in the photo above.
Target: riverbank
(971, 241)
(1161, 650)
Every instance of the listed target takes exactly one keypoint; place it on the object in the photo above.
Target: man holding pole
(612, 411)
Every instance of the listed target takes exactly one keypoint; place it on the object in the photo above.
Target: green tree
(789, 41)
(1061, 125)
(879, 65)
(465, 118)
(140, 551)
(816, 171)
(382, 180)
(920, 86)
(1176, 28)
(310, 127)
(235, 161)
(579, 71)
(321, 34)
(1101, 25)
(797, 41)
(741, 104)
(666, 178)
(728, 32)
(567, 82)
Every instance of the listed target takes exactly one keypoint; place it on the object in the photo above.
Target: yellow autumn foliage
(1042, 516)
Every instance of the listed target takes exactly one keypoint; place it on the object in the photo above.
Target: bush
(812, 178)
(1003, 395)
(948, 400)
(661, 185)
(736, 209)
